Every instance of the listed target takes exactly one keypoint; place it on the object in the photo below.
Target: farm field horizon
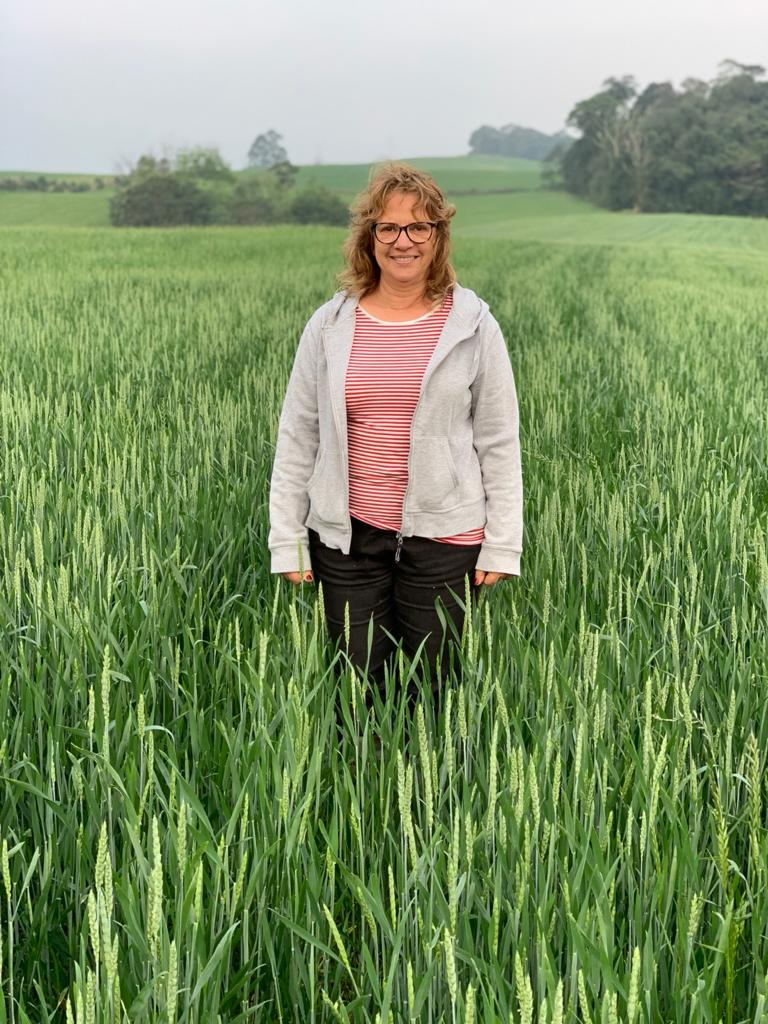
(581, 834)
(91, 209)
(526, 212)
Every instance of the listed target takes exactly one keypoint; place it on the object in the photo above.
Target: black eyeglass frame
(432, 223)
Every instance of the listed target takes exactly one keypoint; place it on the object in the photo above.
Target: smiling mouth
(403, 259)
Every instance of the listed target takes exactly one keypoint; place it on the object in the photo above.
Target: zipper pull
(399, 545)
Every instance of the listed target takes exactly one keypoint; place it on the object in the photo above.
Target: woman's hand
(296, 577)
(487, 579)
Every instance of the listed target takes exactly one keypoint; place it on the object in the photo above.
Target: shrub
(161, 200)
(220, 195)
(258, 199)
(318, 205)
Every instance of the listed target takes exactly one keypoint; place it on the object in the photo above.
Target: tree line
(196, 186)
(512, 140)
(41, 183)
(702, 148)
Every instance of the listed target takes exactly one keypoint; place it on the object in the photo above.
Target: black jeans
(400, 596)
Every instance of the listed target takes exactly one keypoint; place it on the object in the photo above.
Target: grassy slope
(454, 174)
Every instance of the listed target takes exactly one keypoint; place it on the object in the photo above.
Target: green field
(456, 175)
(561, 218)
(55, 209)
(582, 837)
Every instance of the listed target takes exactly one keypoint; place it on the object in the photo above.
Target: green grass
(55, 209)
(184, 837)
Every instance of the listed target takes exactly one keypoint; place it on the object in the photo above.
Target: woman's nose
(403, 241)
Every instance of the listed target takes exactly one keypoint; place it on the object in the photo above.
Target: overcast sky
(87, 85)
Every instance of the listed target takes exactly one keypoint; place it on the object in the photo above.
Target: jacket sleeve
(495, 425)
(298, 439)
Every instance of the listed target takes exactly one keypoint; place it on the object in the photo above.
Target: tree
(284, 173)
(638, 138)
(266, 150)
(512, 140)
(551, 166)
(203, 163)
(731, 68)
(598, 165)
(147, 166)
(695, 86)
(485, 140)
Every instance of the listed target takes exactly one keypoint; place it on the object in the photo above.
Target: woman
(397, 465)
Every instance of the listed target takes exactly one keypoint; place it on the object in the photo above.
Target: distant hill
(511, 140)
(460, 175)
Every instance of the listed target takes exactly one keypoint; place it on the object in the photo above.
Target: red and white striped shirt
(384, 375)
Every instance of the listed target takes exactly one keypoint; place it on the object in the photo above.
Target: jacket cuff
(496, 559)
(291, 558)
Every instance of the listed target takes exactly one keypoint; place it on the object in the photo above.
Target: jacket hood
(468, 308)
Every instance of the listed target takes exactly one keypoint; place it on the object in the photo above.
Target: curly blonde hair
(362, 273)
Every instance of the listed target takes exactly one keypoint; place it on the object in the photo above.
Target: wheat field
(580, 836)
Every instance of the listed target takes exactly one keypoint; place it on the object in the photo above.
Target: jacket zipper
(410, 446)
(408, 485)
(344, 455)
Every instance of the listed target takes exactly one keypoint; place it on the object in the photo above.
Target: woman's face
(403, 262)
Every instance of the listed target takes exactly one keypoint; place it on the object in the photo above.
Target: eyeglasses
(419, 231)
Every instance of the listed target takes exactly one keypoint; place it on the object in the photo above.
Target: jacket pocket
(325, 489)
(434, 472)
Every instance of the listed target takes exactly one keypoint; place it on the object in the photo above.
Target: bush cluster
(197, 187)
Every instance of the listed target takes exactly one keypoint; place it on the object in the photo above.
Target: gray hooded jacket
(464, 461)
